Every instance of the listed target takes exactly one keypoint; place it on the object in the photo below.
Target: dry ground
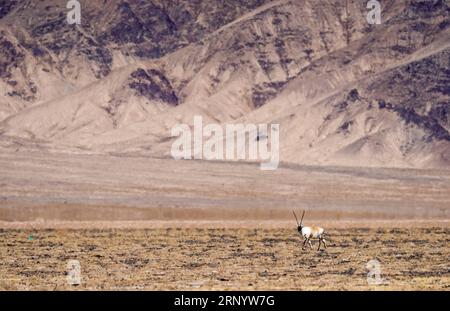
(66, 187)
(230, 258)
(235, 224)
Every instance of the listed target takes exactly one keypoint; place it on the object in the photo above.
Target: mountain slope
(344, 92)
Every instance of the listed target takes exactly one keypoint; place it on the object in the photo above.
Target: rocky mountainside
(343, 91)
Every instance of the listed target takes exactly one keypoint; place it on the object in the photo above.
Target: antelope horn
(303, 215)
(296, 218)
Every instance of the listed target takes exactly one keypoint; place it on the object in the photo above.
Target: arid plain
(86, 119)
(139, 223)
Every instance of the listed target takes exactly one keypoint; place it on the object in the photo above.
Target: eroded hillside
(344, 92)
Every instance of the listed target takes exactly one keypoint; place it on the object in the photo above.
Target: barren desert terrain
(224, 259)
(39, 186)
(135, 223)
(87, 118)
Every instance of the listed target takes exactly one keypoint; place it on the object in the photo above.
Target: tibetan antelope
(309, 233)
